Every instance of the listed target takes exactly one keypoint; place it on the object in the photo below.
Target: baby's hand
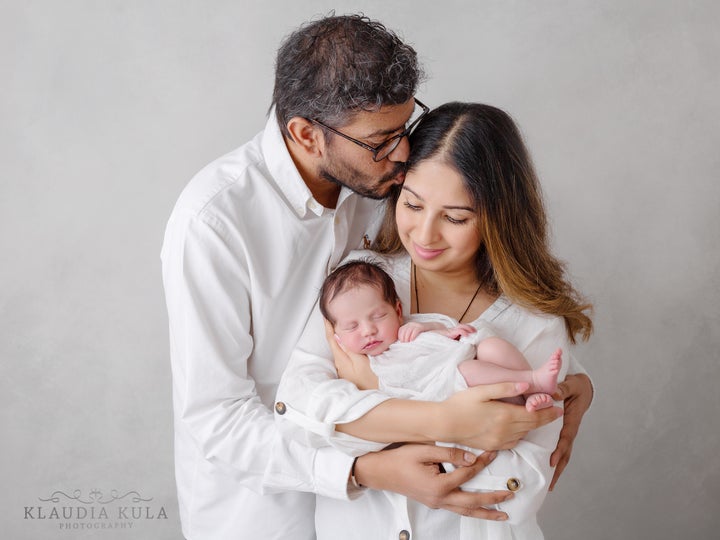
(461, 330)
(409, 331)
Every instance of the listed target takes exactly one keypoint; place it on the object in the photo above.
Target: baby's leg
(499, 361)
(503, 353)
(496, 360)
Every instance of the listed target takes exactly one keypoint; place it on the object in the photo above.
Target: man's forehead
(384, 121)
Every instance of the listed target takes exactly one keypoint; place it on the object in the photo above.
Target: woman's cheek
(402, 222)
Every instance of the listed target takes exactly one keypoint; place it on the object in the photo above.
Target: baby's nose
(369, 329)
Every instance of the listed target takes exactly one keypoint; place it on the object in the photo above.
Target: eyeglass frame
(376, 149)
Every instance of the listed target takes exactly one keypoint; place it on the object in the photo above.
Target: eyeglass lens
(391, 144)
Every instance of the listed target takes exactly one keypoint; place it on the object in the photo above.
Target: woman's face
(436, 220)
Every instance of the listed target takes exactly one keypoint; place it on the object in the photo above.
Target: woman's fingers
(475, 418)
(577, 393)
(486, 392)
(560, 459)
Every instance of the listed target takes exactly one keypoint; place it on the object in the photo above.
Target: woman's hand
(473, 417)
(577, 393)
(351, 367)
(413, 470)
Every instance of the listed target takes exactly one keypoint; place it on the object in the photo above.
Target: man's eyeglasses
(385, 148)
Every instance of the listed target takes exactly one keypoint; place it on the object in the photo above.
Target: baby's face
(364, 322)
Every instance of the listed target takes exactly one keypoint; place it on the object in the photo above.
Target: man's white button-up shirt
(246, 250)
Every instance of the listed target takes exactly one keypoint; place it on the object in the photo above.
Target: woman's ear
(308, 137)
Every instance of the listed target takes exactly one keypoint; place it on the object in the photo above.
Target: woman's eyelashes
(448, 217)
(413, 207)
(456, 221)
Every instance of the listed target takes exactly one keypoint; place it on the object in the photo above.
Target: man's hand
(474, 418)
(577, 393)
(351, 367)
(413, 470)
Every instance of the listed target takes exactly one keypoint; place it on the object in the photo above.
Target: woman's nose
(427, 231)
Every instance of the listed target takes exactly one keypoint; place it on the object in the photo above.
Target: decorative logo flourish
(95, 497)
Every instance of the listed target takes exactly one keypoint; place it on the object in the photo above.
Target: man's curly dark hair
(333, 67)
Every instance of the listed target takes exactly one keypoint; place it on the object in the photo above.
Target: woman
(465, 236)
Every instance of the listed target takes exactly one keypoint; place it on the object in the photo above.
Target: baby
(360, 301)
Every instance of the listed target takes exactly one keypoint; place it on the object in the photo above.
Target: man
(246, 249)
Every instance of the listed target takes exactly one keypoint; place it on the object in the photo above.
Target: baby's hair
(354, 274)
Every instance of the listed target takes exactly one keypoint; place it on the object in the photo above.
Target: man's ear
(308, 136)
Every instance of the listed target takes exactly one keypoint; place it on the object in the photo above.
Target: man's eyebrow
(447, 207)
(384, 132)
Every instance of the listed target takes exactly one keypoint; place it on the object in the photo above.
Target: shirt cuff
(332, 474)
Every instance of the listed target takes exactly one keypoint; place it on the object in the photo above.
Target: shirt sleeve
(316, 400)
(208, 295)
(526, 467)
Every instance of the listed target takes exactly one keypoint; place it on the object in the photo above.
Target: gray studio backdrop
(108, 108)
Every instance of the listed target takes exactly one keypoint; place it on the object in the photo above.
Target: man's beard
(358, 182)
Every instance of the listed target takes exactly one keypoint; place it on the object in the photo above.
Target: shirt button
(404, 535)
(513, 484)
(280, 407)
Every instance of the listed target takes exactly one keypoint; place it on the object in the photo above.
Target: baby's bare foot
(535, 402)
(545, 377)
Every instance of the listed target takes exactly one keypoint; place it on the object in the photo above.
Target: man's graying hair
(334, 67)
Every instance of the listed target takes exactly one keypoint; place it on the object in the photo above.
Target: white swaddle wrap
(426, 368)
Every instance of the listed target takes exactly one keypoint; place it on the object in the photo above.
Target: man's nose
(401, 152)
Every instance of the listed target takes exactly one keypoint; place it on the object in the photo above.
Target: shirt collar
(285, 174)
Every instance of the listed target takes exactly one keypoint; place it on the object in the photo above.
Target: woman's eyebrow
(411, 191)
(447, 207)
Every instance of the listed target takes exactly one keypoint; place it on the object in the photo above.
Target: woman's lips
(424, 253)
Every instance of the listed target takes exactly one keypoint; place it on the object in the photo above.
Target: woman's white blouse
(314, 400)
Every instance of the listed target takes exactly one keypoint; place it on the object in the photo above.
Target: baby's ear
(398, 310)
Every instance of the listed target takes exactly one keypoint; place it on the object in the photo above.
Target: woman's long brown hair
(485, 146)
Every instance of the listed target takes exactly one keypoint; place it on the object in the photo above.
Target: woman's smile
(426, 253)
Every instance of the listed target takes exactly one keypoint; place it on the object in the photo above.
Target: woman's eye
(412, 207)
(456, 221)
